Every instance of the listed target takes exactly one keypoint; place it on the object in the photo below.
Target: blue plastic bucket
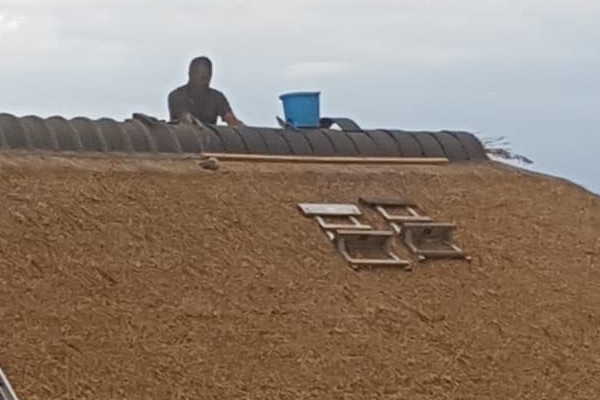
(301, 109)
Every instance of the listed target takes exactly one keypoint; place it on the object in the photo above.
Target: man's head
(200, 72)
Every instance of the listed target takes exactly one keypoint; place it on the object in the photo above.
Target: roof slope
(147, 279)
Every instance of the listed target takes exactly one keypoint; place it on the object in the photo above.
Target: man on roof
(198, 99)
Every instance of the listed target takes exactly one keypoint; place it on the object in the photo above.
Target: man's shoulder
(217, 93)
(180, 91)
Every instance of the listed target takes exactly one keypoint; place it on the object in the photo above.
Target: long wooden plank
(6, 391)
(326, 160)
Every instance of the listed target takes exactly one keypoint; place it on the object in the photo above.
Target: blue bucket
(301, 109)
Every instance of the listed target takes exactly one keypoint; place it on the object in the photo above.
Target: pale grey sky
(527, 70)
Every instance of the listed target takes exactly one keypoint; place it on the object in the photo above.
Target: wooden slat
(6, 391)
(326, 160)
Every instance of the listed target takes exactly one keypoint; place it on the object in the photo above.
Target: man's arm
(178, 105)
(225, 111)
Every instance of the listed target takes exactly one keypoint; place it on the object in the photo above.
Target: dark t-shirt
(206, 104)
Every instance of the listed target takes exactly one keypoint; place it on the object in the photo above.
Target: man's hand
(232, 120)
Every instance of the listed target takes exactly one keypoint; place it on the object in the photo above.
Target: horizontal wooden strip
(326, 160)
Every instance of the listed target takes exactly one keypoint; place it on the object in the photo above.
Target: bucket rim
(297, 94)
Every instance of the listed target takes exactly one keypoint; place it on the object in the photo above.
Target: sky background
(526, 70)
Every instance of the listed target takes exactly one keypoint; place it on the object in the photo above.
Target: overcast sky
(527, 70)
